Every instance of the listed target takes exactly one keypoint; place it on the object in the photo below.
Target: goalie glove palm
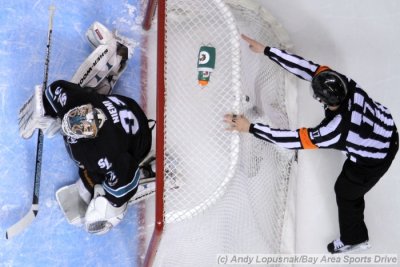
(101, 215)
(31, 117)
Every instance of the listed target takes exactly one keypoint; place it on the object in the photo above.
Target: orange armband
(305, 139)
(321, 69)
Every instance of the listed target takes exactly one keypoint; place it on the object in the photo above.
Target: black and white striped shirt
(360, 127)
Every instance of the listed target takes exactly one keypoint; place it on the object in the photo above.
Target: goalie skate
(148, 167)
(147, 183)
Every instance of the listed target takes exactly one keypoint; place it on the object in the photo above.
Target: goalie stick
(147, 188)
(31, 215)
(147, 184)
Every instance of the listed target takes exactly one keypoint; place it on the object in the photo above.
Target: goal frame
(157, 9)
(150, 13)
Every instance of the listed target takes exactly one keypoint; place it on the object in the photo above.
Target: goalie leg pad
(103, 67)
(71, 204)
(85, 195)
(98, 34)
(31, 117)
(101, 215)
(97, 65)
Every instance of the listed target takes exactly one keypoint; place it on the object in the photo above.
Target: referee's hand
(237, 123)
(254, 45)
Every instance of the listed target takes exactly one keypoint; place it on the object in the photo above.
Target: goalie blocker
(32, 117)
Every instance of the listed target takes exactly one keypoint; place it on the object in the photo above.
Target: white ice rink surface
(361, 39)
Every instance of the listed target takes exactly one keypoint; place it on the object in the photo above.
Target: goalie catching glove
(32, 117)
(101, 215)
(97, 214)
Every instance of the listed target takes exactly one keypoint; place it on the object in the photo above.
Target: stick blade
(22, 224)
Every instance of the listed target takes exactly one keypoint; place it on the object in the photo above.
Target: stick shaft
(23, 223)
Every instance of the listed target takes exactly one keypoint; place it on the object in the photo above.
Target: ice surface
(50, 240)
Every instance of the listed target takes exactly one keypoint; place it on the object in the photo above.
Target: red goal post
(149, 14)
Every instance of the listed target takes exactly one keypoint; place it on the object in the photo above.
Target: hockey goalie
(107, 136)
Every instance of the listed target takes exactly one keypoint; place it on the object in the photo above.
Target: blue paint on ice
(50, 240)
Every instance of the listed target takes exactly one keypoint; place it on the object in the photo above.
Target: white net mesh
(232, 189)
(199, 153)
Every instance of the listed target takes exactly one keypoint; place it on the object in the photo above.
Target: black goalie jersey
(113, 156)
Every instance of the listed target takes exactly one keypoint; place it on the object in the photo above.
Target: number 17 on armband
(205, 64)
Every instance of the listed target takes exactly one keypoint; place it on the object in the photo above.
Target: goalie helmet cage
(232, 190)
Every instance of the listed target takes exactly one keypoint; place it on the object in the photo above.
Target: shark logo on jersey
(61, 96)
(58, 90)
(111, 178)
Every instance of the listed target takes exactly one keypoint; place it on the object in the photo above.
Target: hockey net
(218, 192)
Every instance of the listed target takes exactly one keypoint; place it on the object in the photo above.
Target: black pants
(352, 184)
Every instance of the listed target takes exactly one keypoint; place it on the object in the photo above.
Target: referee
(354, 123)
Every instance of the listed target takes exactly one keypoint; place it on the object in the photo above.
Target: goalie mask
(83, 122)
(329, 87)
